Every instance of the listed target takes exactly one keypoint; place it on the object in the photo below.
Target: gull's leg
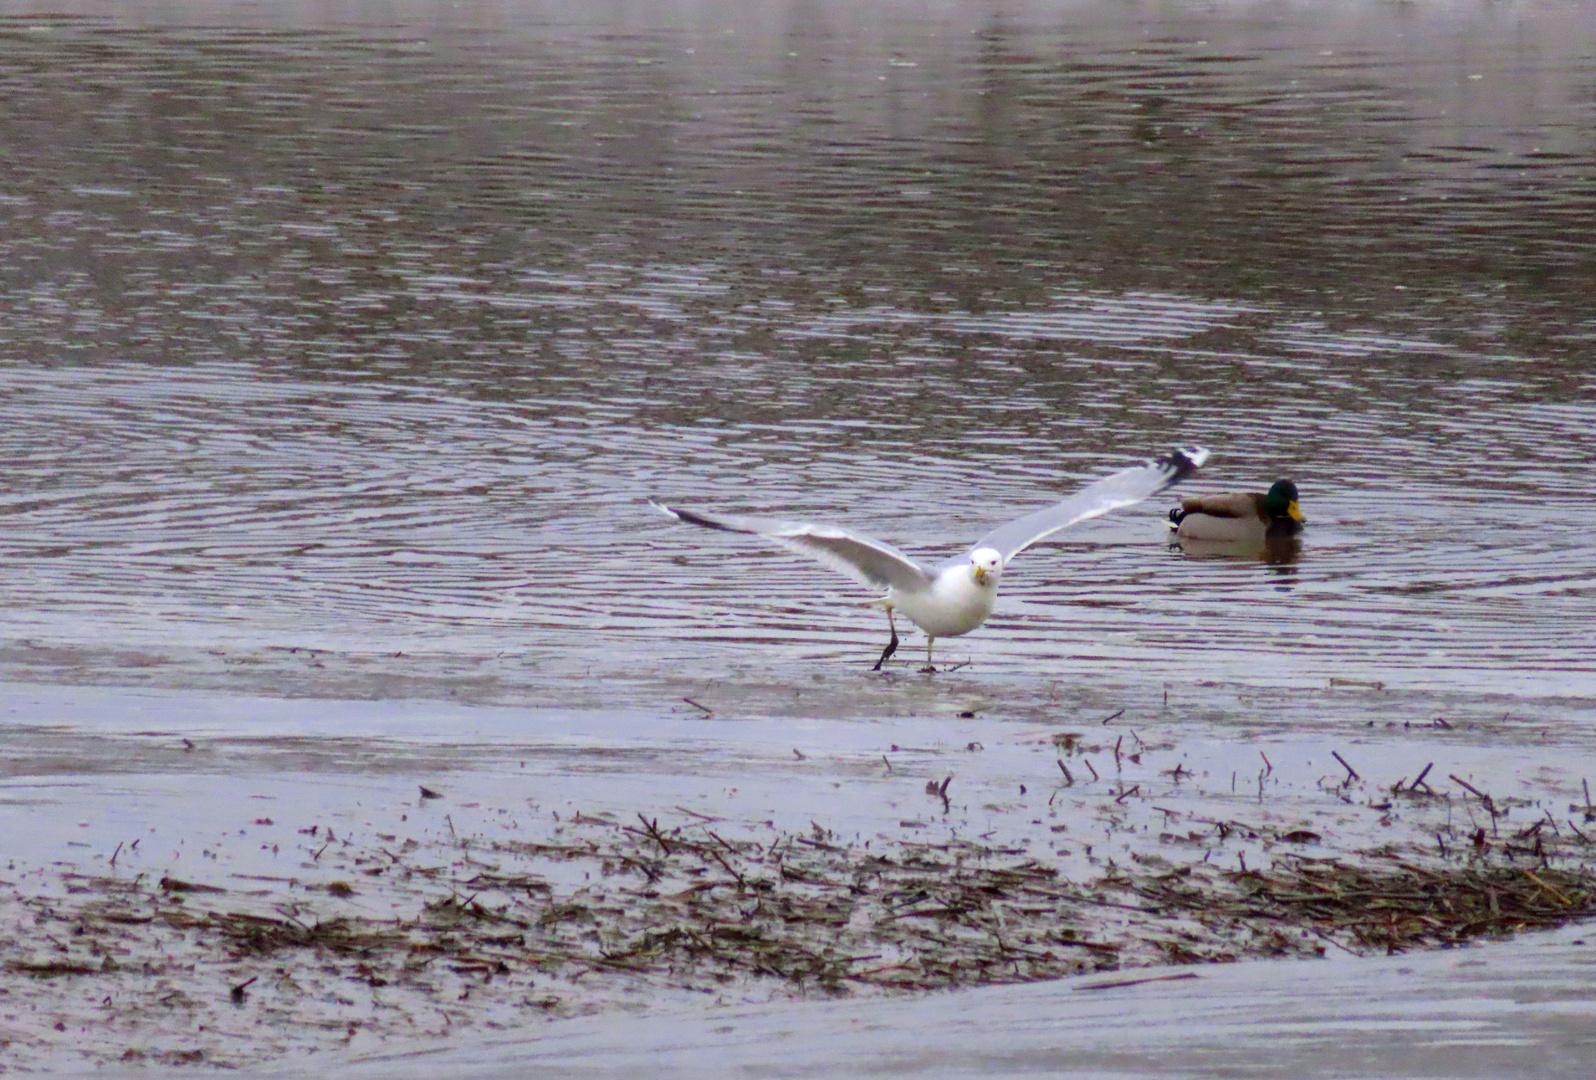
(929, 669)
(892, 646)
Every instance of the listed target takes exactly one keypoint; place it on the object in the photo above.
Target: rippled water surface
(371, 328)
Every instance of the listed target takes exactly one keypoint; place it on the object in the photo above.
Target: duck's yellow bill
(1296, 512)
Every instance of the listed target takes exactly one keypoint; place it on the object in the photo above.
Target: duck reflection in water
(1274, 550)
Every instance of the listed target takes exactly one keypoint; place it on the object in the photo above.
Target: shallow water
(373, 333)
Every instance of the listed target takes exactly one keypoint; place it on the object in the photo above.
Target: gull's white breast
(954, 604)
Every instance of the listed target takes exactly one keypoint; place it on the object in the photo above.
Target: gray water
(370, 329)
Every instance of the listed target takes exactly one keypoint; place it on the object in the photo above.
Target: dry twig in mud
(47, 969)
(1352, 774)
(1120, 983)
(1401, 787)
(1485, 800)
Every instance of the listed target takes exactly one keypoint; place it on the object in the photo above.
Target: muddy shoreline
(270, 894)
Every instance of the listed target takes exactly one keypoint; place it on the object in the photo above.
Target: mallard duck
(1239, 515)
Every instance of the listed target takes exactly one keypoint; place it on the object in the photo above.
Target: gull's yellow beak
(1295, 512)
(979, 573)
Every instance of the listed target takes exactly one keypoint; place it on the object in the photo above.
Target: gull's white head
(986, 566)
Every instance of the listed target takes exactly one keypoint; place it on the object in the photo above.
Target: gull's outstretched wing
(862, 558)
(1122, 489)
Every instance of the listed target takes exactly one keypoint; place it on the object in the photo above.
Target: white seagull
(955, 597)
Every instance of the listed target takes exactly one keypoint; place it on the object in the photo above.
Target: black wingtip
(1181, 463)
(695, 519)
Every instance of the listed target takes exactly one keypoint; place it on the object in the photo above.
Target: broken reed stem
(742, 884)
(1420, 778)
(1485, 800)
(1352, 774)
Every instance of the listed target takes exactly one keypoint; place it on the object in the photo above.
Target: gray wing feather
(863, 558)
(1123, 488)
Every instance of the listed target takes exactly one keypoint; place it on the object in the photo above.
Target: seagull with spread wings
(956, 596)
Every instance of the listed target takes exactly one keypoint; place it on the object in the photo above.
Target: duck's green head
(1282, 502)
